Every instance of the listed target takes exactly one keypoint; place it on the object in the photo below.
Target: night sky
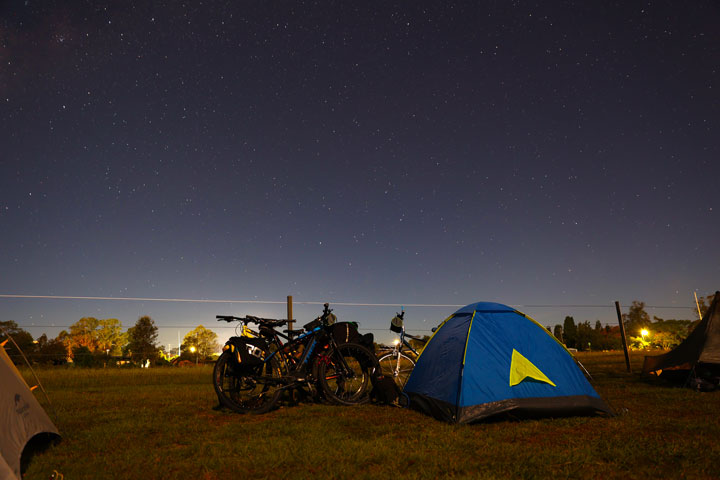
(531, 153)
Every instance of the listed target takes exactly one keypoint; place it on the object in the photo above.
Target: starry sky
(548, 155)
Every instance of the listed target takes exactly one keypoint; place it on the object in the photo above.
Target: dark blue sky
(550, 153)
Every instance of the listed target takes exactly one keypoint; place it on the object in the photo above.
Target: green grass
(159, 424)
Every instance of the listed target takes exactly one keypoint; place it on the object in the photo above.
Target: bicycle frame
(297, 370)
(398, 347)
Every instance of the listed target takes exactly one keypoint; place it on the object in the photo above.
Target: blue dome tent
(488, 359)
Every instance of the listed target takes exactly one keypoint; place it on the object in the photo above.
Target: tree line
(641, 331)
(99, 342)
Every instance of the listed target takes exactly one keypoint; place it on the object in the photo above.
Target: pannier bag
(347, 332)
(247, 351)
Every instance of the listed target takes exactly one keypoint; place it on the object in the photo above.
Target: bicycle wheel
(398, 366)
(247, 390)
(344, 374)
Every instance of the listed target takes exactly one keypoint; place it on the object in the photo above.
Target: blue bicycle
(257, 366)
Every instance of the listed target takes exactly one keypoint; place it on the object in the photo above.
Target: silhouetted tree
(142, 340)
(636, 319)
(50, 351)
(569, 332)
(23, 339)
(584, 337)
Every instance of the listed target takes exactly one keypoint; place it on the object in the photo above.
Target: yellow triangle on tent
(522, 368)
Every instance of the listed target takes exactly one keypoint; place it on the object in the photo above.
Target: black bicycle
(256, 367)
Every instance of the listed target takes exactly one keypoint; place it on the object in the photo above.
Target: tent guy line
(296, 302)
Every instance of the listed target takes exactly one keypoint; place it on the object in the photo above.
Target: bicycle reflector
(396, 324)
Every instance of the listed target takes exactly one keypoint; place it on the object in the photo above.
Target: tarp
(21, 419)
(701, 346)
(487, 359)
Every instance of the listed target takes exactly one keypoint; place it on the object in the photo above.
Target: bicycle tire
(398, 366)
(247, 390)
(351, 387)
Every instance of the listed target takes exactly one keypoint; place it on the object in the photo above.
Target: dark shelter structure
(697, 359)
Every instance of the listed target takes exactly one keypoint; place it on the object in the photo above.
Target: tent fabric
(487, 359)
(701, 346)
(21, 418)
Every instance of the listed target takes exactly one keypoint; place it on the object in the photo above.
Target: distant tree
(204, 341)
(83, 333)
(52, 351)
(142, 340)
(569, 332)
(82, 356)
(23, 339)
(667, 334)
(558, 332)
(598, 326)
(110, 336)
(608, 338)
(636, 319)
(584, 337)
(97, 335)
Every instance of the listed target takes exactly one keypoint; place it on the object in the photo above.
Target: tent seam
(462, 368)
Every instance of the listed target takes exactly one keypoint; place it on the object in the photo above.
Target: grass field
(159, 424)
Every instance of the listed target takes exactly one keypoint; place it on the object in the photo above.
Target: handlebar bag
(396, 324)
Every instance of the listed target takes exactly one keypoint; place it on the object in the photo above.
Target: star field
(424, 153)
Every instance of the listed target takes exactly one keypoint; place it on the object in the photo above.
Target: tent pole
(697, 305)
(31, 369)
(622, 335)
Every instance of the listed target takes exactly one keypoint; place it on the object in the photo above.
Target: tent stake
(622, 335)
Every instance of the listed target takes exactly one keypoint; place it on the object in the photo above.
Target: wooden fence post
(622, 335)
(290, 313)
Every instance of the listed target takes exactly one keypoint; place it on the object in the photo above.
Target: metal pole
(698, 306)
(290, 313)
(622, 335)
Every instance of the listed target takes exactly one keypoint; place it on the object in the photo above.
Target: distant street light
(644, 332)
(193, 350)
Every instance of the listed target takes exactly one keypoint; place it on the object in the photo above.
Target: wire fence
(608, 310)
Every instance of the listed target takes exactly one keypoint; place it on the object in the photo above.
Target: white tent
(21, 419)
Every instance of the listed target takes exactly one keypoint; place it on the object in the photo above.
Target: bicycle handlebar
(419, 339)
(268, 322)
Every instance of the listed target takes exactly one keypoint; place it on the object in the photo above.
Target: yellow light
(396, 342)
(192, 349)
(644, 332)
